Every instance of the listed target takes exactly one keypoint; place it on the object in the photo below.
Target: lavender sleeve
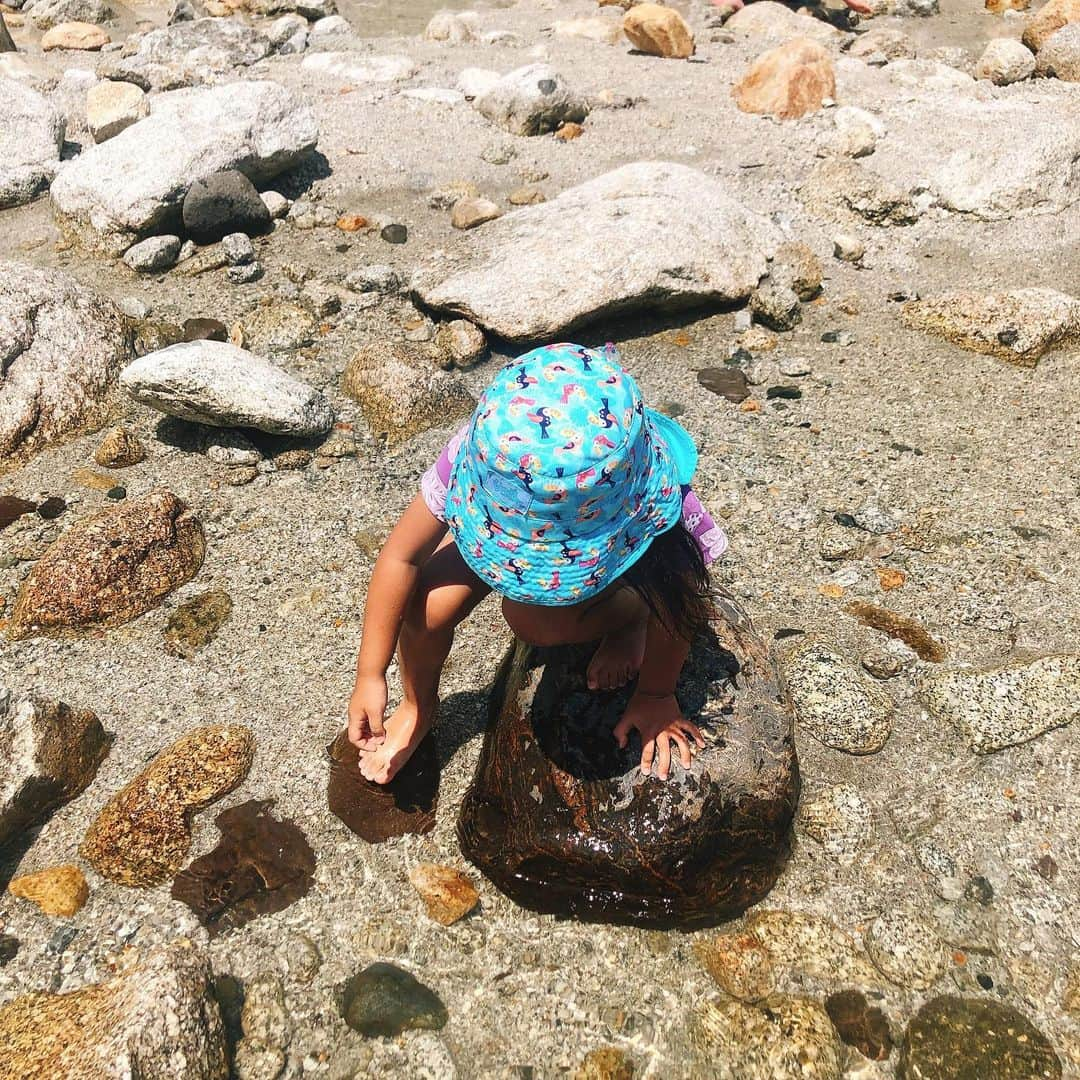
(710, 537)
(434, 482)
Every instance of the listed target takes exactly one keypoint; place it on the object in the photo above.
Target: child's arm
(397, 569)
(653, 710)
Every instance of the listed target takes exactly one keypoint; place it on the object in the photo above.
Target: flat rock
(79, 36)
(651, 234)
(57, 890)
(194, 624)
(770, 19)
(834, 701)
(562, 820)
(532, 100)
(956, 1038)
(31, 136)
(853, 188)
(49, 753)
(135, 183)
(187, 54)
(213, 382)
(142, 834)
(789, 81)
(48, 13)
(111, 567)
(360, 68)
(1019, 325)
(383, 1001)
(839, 819)
(448, 894)
(157, 1020)
(113, 106)
(1008, 705)
(401, 395)
(906, 950)
(277, 329)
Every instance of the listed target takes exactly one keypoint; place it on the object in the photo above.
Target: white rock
(607, 31)
(276, 203)
(1005, 61)
(455, 27)
(283, 28)
(49, 13)
(770, 19)
(358, 68)
(652, 233)
(532, 100)
(31, 135)
(113, 106)
(213, 382)
(848, 248)
(136, 182)
(435, 95)
(1059, 54)
(474, 82)
(238, 249)
(154, 254)
(928, 75)
(331, 26)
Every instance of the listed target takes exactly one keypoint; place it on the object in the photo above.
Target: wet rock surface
(448, 894)
(383, 1001)
(57, 890)
(562, 820)
(194, 624)
(860, 1024)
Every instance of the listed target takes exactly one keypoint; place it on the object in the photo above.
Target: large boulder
(1050, 18)
(158, 1020)
(788, 82)
(213, 382)
(532, 100)
(649, 235)
(31, 135)
(187, 54)
(135, 183)
(112, 567)
(45, 14)
(49, 753)
(61, 347)
(562, 820)
(1059, 57)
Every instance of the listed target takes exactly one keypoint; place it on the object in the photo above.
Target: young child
(570, 499)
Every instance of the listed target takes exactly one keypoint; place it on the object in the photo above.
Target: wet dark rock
(116, 494)
(51, 508)
(193, 625)
(378, 812)
(955, 1038)
(859, 1024)
(911, 633)
(728, 382)
(225, 202)
(205, 330)
(260, 866)
(846, 520)
(9, 948)
(562, 820)
(383, 1001)
(12, 508)
(984, 981)
(395, 234)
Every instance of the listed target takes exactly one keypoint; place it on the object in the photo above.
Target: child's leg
(445, 594)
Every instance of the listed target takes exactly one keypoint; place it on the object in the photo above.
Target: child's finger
(694, 732)
(663, 745)
(647, 753)
(684, 748)
(621, 731)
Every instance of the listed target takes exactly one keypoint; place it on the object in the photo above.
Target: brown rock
(142, 835)
(447, 893)
(1051, 17)
(120, 448)
(57, 890)
(739, 964)
(795, 266)
(461, 343)
(74, 35)
(193, 625)
(470, 212)
(569, 131)
(605, 1063)
(298, 458)
(49, 753)
(112, 567)
(859, 1024)
(788, 82)
(526, 196)
(999, 7)
(156, 1021)
(658, 31)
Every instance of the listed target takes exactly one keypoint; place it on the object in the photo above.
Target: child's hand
(660, 722)
(366, 709)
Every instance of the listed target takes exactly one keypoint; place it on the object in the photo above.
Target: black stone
(225, 202)
(789, 393)
(846, 520)
(980, 890)
(52, 508)
(903, 448)
(1047, 868)
(984, 981)
(395, 234)
(62, 937)
(383, 1001)
(740, 356)
(830, 337)
(9, 948)
(116, 493)
(1008, 336)
(728, 382)
(205, 330)
(546, 86)
(786, 632)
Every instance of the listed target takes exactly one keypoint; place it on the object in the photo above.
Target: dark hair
(672, 579)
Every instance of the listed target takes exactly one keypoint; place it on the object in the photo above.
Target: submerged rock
(193, 625)
(261, 865)
(860, 1024)
(562, 820)
(654, 235)
(839, 819)
(911, 632)
(955, 1038)
(57, 890)
(49, 753)
(157, 1021)
(142, 835)
(383, 1001)
(112, 567)
(447, 893)
(906, 950)
(1008, 705)
(31, 136)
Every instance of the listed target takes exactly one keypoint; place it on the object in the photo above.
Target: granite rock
(840, 820)
(223, 203)
(1005, 61)
(1050, 18)
(1059, 56)
(659, 31)
(31, 135)
(119, 449)
(383, 1001)
(531, 100)
(766, 18)
(906, 950)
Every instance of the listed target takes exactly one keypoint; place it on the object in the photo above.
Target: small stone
(848, 248)
(224, 446)
(836, 542)
(776, 306)
(659, 31)
(9, 948)
(498, 154)
(205, 330)
(241, 475)
(113, 106)
(447, 893)
(979, 891)
(255, 1060)
(382, 1001)
(1059, 56)
(461, 342)
(395, 234)
(119, 448)
(954, 1038)
(244, 274)
(590, 28)
(59, 890)
(115, 494)
(605, 1063)
(911, 632)
(795, 266)
(225, 202)
(872, 518)
(859, 1024)
(468, 213)
(531, 100)
(298, 458)
(194, 624)
(739, 964)
(277, 329)
(277, 206)
(1005, 61)
(840, 820)
(153, 255)
(302, 958)
(453, 27)
(784, 393)
(729, 382)
(883, 663)
(238, 249)
(906, 950)
(834, 702)
(85, 37)
(794, 367)
(789, 81)
(569, 131)
(373, 279)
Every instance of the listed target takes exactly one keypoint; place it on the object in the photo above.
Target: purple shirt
(709, 536)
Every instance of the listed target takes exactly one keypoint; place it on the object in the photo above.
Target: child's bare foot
(404, 732)
(618, 656)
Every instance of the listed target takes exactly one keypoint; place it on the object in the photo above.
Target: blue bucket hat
(564, 478)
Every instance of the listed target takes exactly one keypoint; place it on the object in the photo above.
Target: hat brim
(551, 571)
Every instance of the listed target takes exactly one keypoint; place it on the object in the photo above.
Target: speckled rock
(859, 1024)
(1005, 61)
(112, 567)
(955, 1038)
(383, 1000)
(787, 1038)
(1008, 705)
(812, 947)
(605, 1063)
(775, 306)
(156, 1021)
(1051, 17)
(1059, 56)
(834, 701)
(277, 329)
(1019, 325)
(798, 268)
(194, 624)
(30, 142)
(532, 100)
(906, 950)
(400, 395)
(460, 343)
(120, 448)
(739, 964)
(840, 820)
(142, 835)
(49, 753)
(57, 890)
(849, 186)
(448, 894)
